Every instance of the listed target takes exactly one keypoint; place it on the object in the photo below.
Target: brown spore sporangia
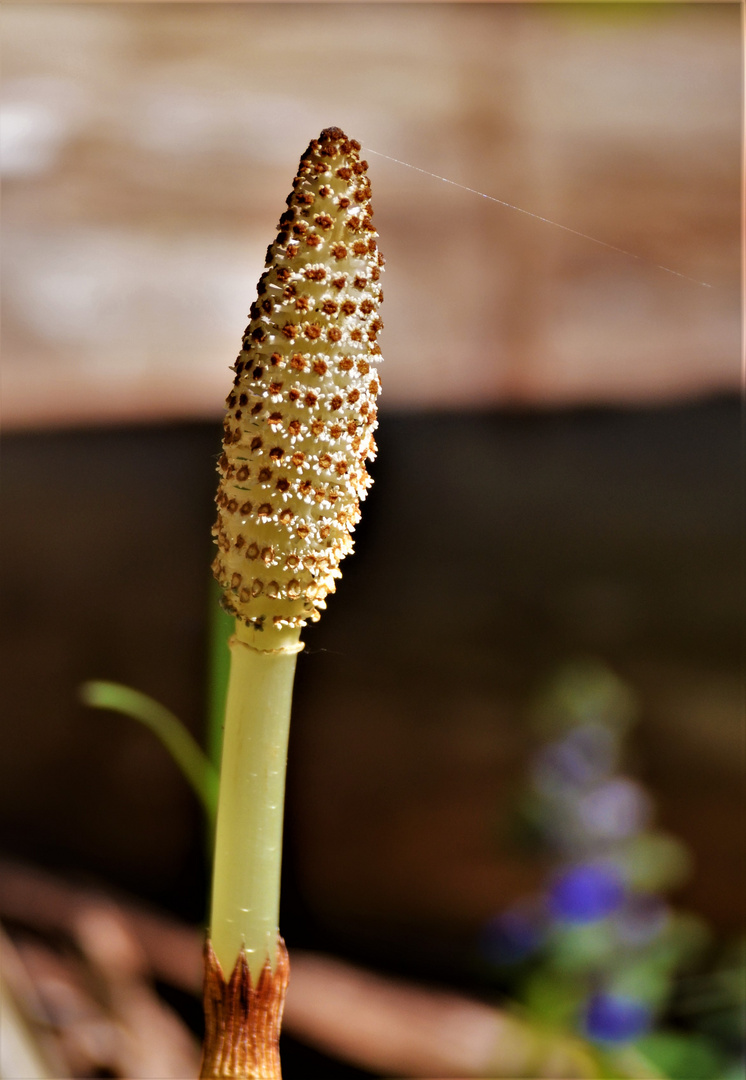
(303, 298)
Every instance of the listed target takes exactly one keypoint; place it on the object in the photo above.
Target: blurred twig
(25, 1052)
(387, 1026)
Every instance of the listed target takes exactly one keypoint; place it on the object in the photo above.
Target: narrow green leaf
(183, 748)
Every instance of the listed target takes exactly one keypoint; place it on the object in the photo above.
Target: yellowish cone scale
(302, 412)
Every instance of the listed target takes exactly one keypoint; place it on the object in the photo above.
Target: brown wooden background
(149, 148)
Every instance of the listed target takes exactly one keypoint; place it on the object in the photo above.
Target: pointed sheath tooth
(300, 417)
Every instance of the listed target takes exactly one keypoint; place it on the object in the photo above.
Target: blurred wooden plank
(150, 148)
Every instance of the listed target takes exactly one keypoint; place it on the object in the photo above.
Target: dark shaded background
(494, 546)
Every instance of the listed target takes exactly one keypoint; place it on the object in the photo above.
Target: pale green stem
(222, 625)
(248, 842)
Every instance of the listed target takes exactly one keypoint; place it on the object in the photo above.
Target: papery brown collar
(242, 1022)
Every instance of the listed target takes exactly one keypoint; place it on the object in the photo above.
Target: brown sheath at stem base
(242, 1022)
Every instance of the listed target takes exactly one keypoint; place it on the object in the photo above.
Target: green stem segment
(248, 842)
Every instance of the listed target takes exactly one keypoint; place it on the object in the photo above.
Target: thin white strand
(548, 221)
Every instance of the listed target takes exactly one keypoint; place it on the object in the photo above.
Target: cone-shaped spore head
(302, 412)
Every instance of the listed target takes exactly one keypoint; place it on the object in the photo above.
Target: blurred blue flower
(613, 1018)
(607, 945)
(586, 893)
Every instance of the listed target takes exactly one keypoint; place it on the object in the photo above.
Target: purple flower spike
(586, 893)
(611, 1018)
